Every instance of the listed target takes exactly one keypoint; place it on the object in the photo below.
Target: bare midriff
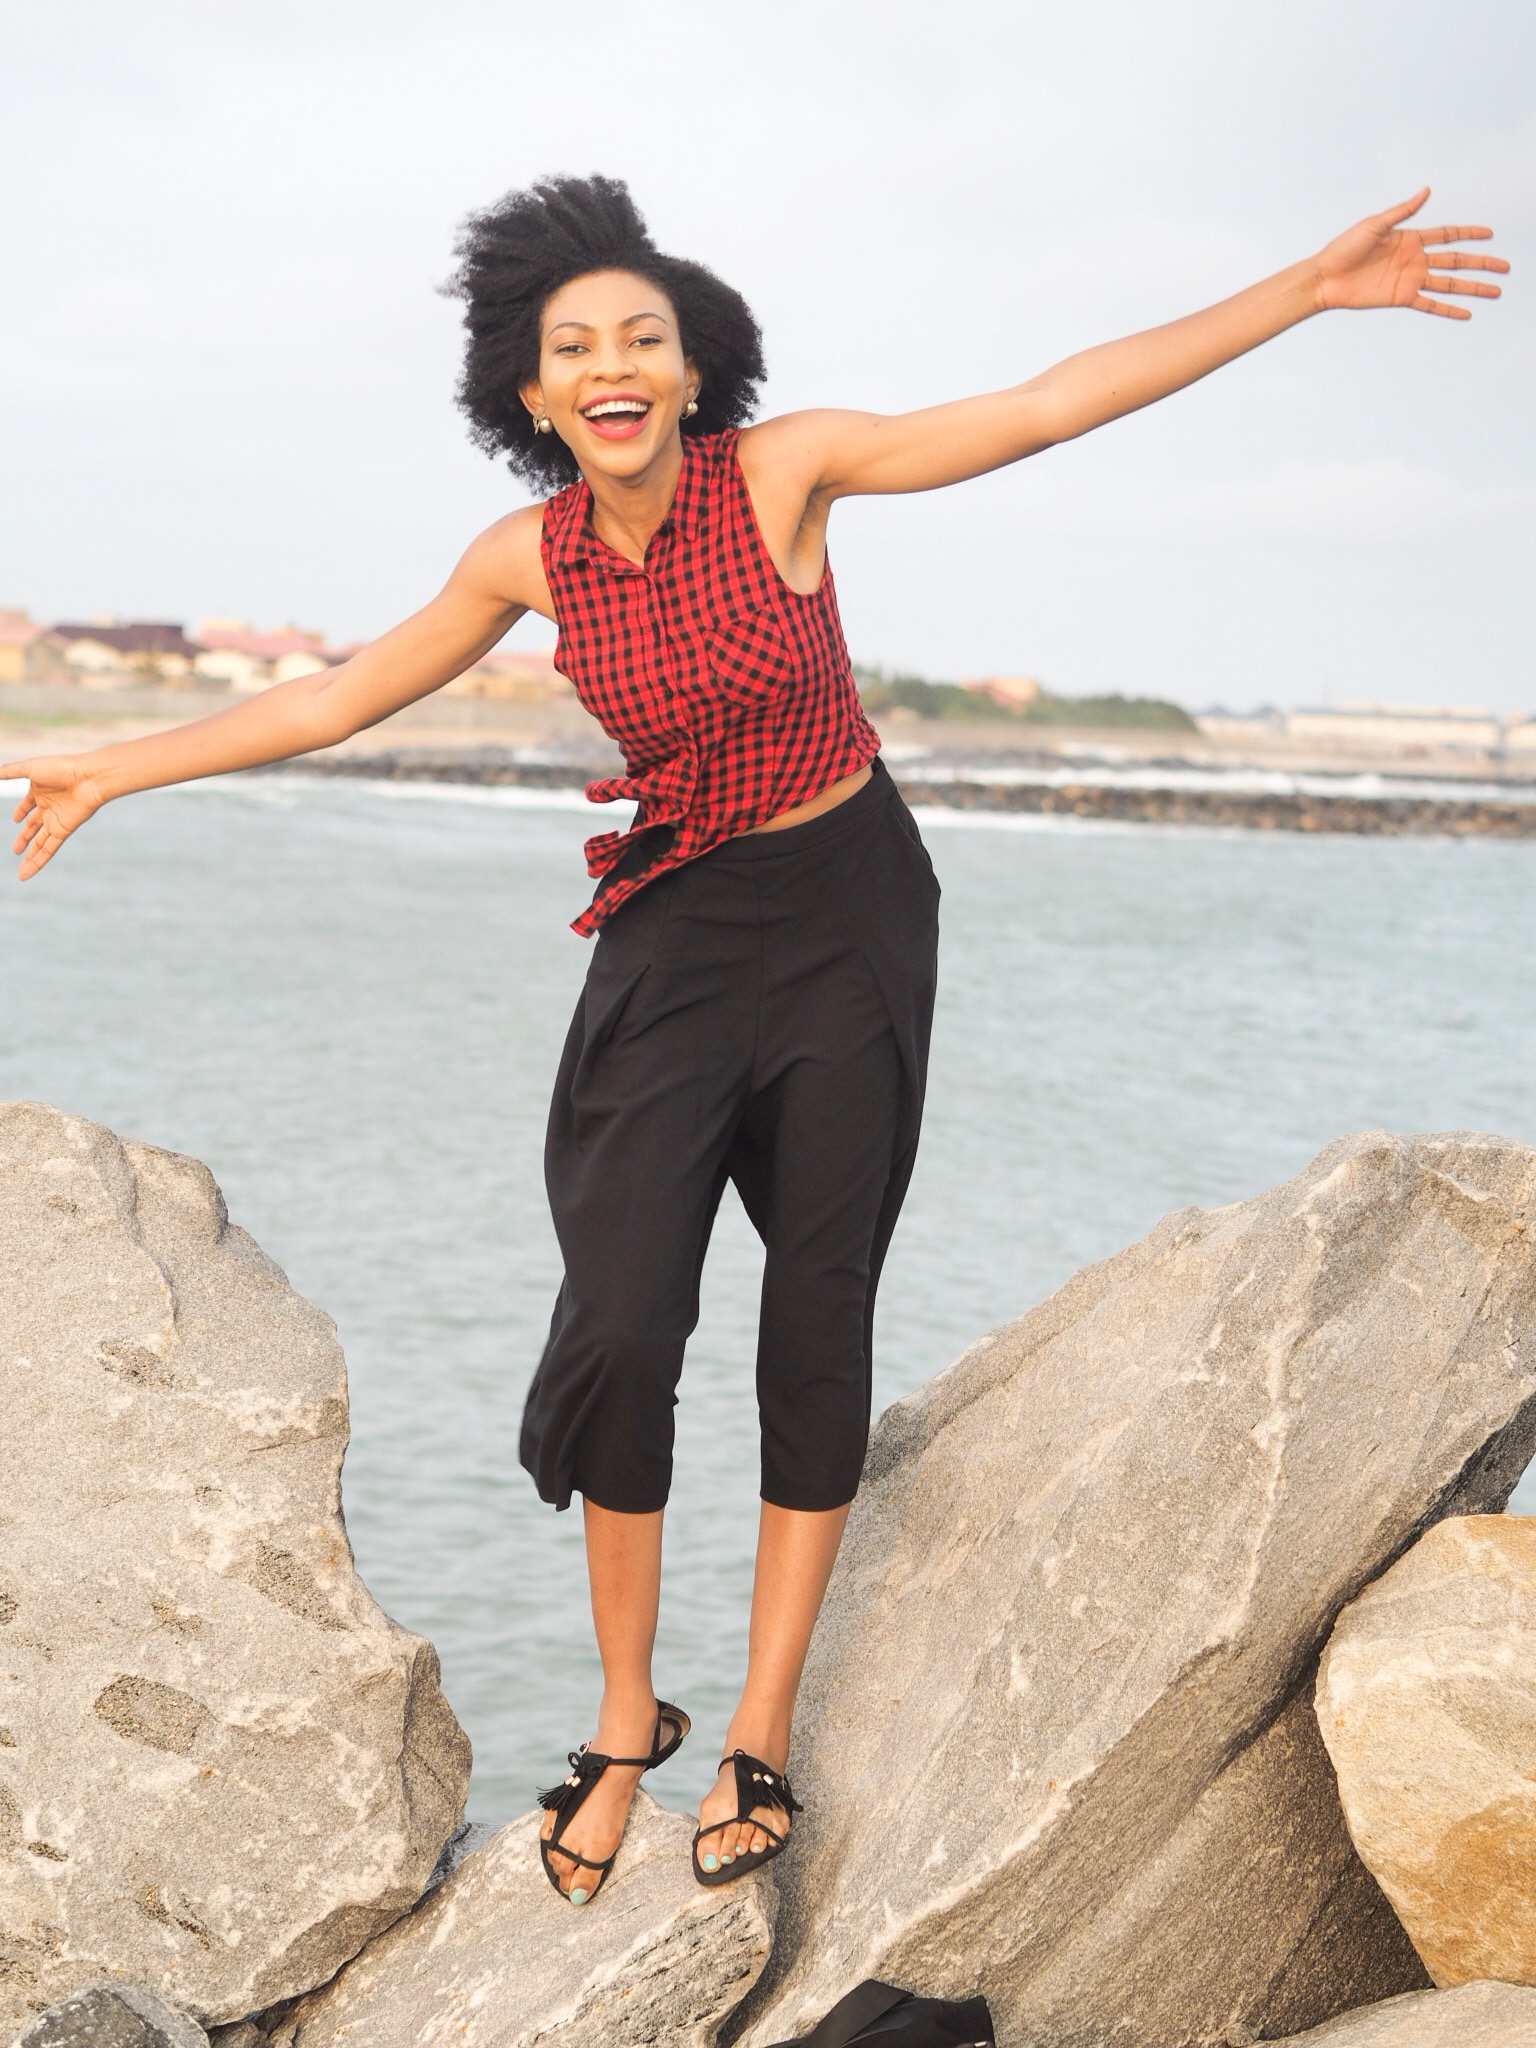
(824, 800)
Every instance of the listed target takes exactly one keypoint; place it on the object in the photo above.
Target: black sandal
(757, 1784)
(587, 1766)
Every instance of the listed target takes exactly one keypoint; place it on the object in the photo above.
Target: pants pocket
(911, 837)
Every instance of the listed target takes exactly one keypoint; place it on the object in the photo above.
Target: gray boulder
(1426, 1698)
(113, 2016)
(222, 1766)
(1477, 2016)
(1055, 1737)
(495, 1959)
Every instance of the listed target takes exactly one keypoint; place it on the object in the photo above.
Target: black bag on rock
(887, 2018)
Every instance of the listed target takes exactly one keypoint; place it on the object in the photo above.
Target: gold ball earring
(690, 408)
(542, 423)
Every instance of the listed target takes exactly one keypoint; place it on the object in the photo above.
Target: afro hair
(514, 256)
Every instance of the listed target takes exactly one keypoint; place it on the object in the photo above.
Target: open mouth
(616, 419)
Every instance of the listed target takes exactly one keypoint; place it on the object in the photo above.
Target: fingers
(1394, 214)
(25, 801)
(43, 848)
(1462, 284)
(1458, 259)
(1454, 235)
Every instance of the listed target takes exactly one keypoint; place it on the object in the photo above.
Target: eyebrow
(633, 320)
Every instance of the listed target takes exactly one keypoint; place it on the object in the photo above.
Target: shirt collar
(572, 538)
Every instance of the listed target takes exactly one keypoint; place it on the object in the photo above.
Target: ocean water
(349, 999)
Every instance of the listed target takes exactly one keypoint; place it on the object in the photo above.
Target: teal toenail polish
(729, 1856)
(711, 1862)
(578, 1897)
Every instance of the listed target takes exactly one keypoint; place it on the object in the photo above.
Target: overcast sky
(227, 376)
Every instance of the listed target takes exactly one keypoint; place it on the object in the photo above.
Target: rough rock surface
(1478, 2016)
(222, 1766)
(1426, 1697)
(494, 1959)
(1056, 1738)
(113, 2016)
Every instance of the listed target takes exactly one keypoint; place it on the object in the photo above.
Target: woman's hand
(61, 797)
(1378, 263)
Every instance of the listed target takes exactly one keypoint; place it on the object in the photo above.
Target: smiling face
(612, 375)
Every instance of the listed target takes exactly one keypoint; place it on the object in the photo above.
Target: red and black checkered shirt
(731, 696)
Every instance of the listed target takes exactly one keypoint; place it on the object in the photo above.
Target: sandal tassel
(585, 1764)
(757, 1784)
(774, 1782)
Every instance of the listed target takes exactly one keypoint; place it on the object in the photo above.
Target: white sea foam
(1100, 774)
(286, 787)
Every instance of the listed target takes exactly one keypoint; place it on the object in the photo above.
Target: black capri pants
(760, 1014)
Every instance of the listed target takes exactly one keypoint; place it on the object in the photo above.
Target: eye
(647, 337)
(564, 348)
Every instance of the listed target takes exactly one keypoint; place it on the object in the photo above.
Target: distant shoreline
(986, 767)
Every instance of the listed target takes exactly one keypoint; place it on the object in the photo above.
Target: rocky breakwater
(1056, 1739)
(222, 1766)
(1426, 1698)
(1175, 803)
(1388, 817)
(1056, 1743)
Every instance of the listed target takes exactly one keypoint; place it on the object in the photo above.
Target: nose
(610, 362)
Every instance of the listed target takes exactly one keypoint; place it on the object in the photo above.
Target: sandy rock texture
(1056, 1738)
(494, 1959)
(1477, 2016)
(1426, 1698)
(222, 1766)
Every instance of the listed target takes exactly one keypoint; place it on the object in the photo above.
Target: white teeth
(614, 405)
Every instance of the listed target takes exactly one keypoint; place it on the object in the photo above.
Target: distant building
(234, 666)
(1219, 723)
(29, 653)
(1016, 692)
(529, 678)
(1397, 728)
(299, 661)
(232, 652)
(127, 652)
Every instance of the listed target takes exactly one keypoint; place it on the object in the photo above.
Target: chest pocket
(750, 656)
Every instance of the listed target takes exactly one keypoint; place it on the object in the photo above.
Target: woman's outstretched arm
(487, 593)
(1378, 262)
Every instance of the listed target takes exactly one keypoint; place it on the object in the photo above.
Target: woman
(758, 1002)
